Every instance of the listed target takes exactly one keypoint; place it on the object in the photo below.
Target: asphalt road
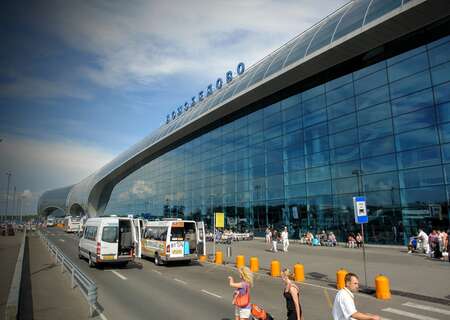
(145, 291)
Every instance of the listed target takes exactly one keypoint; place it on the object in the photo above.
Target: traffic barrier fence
(78, 278)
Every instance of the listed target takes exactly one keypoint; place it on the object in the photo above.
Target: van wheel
(158, 261)
(91, 261)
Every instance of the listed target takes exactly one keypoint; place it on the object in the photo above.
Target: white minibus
(109, 239)
(173, 240)
(72, 224)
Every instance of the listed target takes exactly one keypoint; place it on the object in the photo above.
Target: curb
(12, 305)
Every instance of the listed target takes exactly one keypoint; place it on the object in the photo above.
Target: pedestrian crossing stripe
(426, 308)
(408, 314)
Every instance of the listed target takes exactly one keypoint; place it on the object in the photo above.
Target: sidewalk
(412, 274)
(52, 297)
(9, 250)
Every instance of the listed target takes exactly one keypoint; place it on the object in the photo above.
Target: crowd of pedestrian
(320, 239)
(435, 244)
(344, 307)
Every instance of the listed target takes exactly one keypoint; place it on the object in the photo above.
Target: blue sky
(81, 81)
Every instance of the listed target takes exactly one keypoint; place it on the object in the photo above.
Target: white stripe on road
(180, 281)
(427, 308)
(119, 275)
(211, 294)
(408, 314)
(158, 272)
(62, 240)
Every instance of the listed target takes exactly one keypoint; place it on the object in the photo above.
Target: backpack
(259, 313)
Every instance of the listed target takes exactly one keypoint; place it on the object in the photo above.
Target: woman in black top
(292, 295)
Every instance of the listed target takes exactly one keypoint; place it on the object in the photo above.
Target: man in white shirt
(285, 239)
(344, 304)
(424, 238)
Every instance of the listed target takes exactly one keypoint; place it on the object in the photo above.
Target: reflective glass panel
(419, 157)
(343, 138)
(373, 97)
(421, 177)
(341, 108)
(415, 120)
(439, 54)
(352, 20)
(379, 164)
(380, 181)
(342, 123)
(441, 73)
(416, 139)
(377, 147)
(300, 46)
(412, 102)
(379, 8)
(323, 36)
(373, 114)
(423, 197)
(408, 67)
(410, 84)
(371, 81)
(443, 112)
(375, 130)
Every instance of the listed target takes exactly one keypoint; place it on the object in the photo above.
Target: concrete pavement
(411, 274)
(52, 296)
(9, 250)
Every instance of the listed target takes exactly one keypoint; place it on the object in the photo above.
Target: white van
(72, 224)
(109, 239)
(173, 240)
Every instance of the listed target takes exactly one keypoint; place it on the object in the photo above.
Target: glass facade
(382, 131)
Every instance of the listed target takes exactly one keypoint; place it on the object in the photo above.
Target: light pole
(8, 174)
(214, 225)
(358, 174)
(14, 204)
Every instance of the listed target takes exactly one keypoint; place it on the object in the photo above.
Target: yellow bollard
(254, 264)
(299, 272)
(340, 278)
(383, 291)
(240, 261)
(275, 268)
(219, 257)
(202, 258)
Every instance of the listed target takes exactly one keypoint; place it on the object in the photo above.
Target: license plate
(108, 257)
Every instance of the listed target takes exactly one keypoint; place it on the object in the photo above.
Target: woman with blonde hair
(241, 296)
(292, 295)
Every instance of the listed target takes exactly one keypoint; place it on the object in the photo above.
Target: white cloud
(139, 42)
(37, 165)
(35, 87)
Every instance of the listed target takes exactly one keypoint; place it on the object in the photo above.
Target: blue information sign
(359, 204)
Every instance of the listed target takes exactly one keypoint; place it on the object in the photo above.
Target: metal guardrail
(78, 278)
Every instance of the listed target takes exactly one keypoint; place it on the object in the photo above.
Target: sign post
(359, 205)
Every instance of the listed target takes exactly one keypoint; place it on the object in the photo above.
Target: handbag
(242, 300)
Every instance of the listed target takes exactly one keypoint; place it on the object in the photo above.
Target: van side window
(90, 233)
(110, 234)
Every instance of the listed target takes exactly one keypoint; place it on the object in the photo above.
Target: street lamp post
(214, 225)
(358, 174)
(8, 174)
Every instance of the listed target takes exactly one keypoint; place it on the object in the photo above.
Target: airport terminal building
(357, 104)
